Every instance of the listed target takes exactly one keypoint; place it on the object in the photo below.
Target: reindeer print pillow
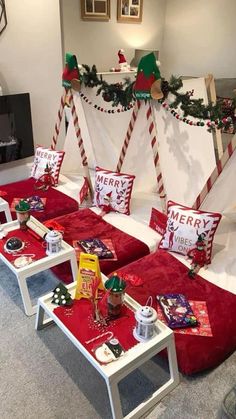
(46, 157)
(185, 225)
(113, 189)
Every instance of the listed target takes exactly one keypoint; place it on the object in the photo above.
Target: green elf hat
(115, 283)
(148, 80)
(70, 75)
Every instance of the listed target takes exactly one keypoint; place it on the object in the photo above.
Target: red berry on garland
(106, 97)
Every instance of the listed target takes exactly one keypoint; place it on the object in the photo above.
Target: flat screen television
(16, 133)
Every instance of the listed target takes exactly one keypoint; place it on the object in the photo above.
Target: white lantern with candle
(146, 318)
(53, 239)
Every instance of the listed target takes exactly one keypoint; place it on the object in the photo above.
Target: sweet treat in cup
(116, 287)
(22, 213)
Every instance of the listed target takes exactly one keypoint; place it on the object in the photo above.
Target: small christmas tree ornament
(45, 181)
(116, 287)
(22, 213)
(146, 318)
(70, 75)
(198, 256)
(61, 296)
(148, 80)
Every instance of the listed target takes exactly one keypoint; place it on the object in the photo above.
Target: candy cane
(58, 122)
(216, 173)
(80, 140)
(152, 132)
(128, 135)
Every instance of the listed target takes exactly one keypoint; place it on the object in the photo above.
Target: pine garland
(218, 115)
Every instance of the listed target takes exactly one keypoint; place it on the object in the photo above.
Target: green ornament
(115, 283)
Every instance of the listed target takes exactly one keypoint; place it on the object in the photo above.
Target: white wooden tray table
(115, 371)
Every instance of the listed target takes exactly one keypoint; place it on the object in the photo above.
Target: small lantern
(145, 317)
(116, 287)
(53, 241)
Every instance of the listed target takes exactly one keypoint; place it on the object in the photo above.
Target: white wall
(199, 38)
(98, 42)
(31, 61)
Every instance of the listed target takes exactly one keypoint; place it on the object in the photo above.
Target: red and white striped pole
(216, 173)
(128, 135)
(58, 122)
(154, 144)
(80, 141)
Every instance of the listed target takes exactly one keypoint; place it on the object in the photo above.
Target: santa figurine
(198, 256)
(123, 65)
(106, 205)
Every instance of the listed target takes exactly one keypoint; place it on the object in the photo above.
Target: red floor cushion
(86, 224)
(57, 203)
(161, 273)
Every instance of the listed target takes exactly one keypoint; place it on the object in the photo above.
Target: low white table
(66, 254)
(4, 207)
(114, 372)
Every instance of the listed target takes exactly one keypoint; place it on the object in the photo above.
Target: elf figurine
(71, 75)
(106, 205)
(148, 80)
(46, 180)
(198, 256)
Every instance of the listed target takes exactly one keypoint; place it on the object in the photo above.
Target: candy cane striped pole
(58, 122)
(154, 144)
(80, 140)
(128, 135)
(216, 173)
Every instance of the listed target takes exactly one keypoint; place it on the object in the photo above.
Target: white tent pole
(80, 141)
(128, 135)
(216, 173)
(58, 122)
(156, 157)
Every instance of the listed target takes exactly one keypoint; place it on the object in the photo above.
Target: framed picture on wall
(95, 9)
(129, 11)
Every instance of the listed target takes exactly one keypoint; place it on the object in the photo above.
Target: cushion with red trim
(158, 221)
(113, 190)
(183, 227)
(42, 158)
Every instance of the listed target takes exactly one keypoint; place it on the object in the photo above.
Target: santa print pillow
(158, 221)
(183, 227)
(113, 189)
(42, 158)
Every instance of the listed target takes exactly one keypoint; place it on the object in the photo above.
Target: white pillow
(46, 156)
(113, 187)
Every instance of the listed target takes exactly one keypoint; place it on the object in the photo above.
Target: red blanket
(86, 224)
(57, 203)
(162, 273)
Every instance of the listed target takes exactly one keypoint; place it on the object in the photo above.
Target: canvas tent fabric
(186, 152)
